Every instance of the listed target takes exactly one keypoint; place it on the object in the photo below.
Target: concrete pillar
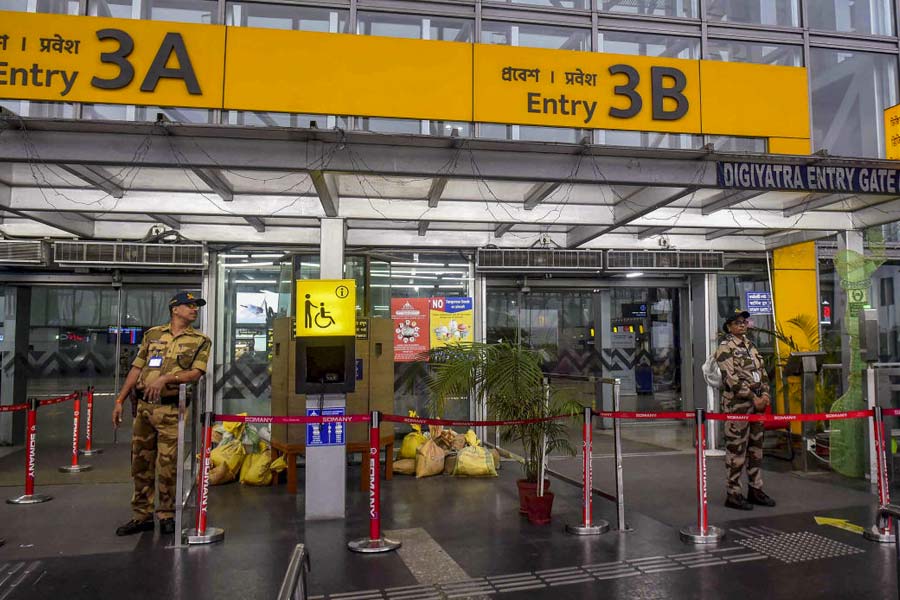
(326, 466)
(14, 352)
(704, 320)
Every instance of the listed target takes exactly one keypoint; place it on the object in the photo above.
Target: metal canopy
(113, 180)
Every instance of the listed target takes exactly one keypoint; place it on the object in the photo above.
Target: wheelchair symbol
(320, 317)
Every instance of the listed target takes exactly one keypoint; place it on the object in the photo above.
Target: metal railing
(892, 511)
(295, 585)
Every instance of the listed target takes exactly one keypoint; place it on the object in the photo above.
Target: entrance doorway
(636, 333)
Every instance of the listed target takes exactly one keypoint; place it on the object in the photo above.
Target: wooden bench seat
(290, 452)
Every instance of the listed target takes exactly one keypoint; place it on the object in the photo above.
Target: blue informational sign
(759, 303)
(326, 434)
(807, 178)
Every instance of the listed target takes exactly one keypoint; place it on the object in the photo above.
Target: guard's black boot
(738, 502)
(167, 526)
(132, 527)
(759, 497)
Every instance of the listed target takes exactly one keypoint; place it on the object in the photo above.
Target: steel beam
(437, 189)
(256, 223)
(257, 148)
(539, 192)
(628, 210)
(96, 176)
(651, 232)
(728, 198)
(502, 229)
(216, 181)
(327, 188)
(714, 235)
(167, 220)
(71, 223)
(796, 237)
(815, 201)
(394, 209)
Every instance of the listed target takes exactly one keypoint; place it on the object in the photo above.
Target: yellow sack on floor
(472, 439)
(255, 469)
(429, 460)
(413, 440)
(229, 455)
(235, 429)
(405, 466)
(474, 461)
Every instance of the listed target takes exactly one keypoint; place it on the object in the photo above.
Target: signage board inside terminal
(102, 60)
(807, 178)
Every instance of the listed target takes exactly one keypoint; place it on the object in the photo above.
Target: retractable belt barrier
(29, 497)
(703, 532)
(89, 449)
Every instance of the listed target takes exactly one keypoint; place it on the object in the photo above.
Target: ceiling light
(633, 275)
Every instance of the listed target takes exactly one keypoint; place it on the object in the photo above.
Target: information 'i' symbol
(342, 291)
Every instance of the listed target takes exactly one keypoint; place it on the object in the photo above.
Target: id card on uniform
(756, 376)
(155, 362)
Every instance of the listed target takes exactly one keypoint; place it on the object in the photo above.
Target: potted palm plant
(508, 380)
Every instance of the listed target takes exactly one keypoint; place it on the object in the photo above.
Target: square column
(326, 466)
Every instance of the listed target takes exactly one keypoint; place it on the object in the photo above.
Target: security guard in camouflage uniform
(169, 355)
(745, 390)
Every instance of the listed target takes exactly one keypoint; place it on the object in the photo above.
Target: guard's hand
(760, 403)
(153, 391)
(117, 415)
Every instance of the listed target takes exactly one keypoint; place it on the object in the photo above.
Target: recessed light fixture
(633, 275)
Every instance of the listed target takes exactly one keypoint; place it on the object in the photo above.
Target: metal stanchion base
(692, 535)
(75, 469)
(370, 546)
(92, 452)
(597, 528)
(874, 534)
(2, 541)
(30, 499)
(212, 535)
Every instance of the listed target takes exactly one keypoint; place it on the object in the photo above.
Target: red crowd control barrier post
(30, 458)
(203, 534)
(76, 420)
(702, 532)
(375, 543)
(877, 533)
(89, 449)
(587, 525)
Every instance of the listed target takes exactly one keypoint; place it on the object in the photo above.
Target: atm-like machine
(318, 369)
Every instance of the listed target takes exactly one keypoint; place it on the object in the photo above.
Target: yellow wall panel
(294, 71)
(798, 146)
(754, 100)
(795, 298)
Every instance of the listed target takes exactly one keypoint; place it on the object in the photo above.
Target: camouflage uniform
(154, 441)
(743, 376)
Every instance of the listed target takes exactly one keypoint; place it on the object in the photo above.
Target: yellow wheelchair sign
(326, 307)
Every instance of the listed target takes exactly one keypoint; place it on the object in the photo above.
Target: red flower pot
(539, 508)
(528, 488)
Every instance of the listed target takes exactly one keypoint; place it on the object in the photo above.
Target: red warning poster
(410, 317)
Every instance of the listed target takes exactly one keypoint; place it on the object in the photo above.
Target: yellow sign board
(117, 61)
(327, 73)
(892, 132)
(326, 307)
(156, 63)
